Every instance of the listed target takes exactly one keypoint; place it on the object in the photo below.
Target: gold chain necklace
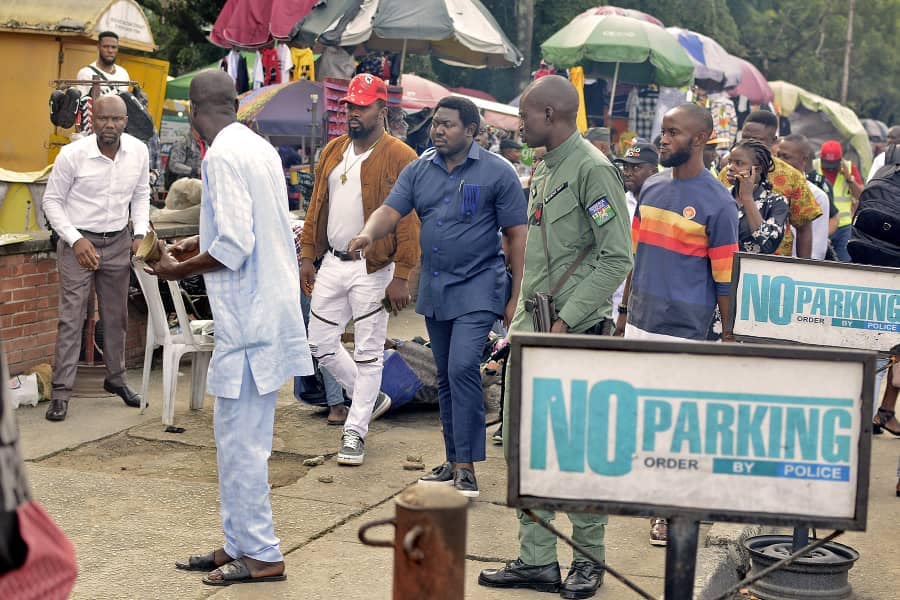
(353, 164)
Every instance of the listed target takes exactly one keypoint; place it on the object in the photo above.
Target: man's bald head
(695, 118)
(110, 104)
(685, 131)
(554, 92)
(109, 119)
(893, 135)
(213, 89)
(213, 103)
(547, 112)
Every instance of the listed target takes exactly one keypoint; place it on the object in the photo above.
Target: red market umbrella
(255, 23)
(753, 85)
(419, 93)
(622, 12)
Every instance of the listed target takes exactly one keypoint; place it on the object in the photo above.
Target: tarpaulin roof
(819, 119)
(80, 17)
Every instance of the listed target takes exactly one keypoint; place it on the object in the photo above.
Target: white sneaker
(353, 449)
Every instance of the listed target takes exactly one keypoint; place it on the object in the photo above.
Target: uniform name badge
(601, 211)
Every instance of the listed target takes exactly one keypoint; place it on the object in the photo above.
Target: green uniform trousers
(537, 546)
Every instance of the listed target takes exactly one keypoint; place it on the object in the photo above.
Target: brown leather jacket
(378, 173)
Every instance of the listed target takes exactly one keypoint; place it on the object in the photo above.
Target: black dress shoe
(542, 578)
(128, 397)
(57, 410)
(582, 581)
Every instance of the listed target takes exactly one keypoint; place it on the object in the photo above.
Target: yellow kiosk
(42, 41)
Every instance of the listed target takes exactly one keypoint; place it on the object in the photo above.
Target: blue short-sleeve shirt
(463, 267)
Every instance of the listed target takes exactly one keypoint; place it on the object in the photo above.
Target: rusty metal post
(429, 543)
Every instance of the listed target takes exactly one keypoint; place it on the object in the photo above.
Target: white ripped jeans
(344, 291)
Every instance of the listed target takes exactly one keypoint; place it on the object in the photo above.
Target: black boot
(582, 581)
(543, 578)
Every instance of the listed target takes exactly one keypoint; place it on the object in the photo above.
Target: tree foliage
(181, 29)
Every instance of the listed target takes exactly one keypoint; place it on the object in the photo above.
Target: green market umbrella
(623, 48)
(177, 88)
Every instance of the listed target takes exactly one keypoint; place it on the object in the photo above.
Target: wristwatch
(623, 309)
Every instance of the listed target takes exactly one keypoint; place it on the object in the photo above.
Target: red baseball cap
(365, 89)
(831, 154)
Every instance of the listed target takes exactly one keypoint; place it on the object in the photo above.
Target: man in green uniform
(577, 198)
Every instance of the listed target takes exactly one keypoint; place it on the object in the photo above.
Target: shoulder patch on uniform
(601, 211)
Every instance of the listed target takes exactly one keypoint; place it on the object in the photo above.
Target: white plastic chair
(175, 345)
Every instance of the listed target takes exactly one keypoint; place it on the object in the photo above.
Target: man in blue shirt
(463, 195)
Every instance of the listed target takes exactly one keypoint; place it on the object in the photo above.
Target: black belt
(104, 235)
(345, 256)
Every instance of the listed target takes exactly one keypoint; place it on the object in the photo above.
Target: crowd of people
(610, 239)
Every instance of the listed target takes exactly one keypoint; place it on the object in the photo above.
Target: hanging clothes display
(235, 65)
(304, 64)
(259, 77)
(645, 112)
(631, 107)
(372, 63)
(336, 62)
(742, 109)
(724, 116)
(285, 62)
(596, 99)
(576, 76)
(271, 68)
(84, 119)
(668, 99)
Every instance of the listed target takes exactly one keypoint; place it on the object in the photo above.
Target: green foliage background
(801, 41)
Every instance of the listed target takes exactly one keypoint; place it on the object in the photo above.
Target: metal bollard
(429, 543)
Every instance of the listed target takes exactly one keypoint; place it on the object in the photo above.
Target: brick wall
(29, 303)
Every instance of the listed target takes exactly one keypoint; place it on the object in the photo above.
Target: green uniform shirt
(579, 196)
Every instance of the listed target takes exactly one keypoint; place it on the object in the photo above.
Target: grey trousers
(110, 281)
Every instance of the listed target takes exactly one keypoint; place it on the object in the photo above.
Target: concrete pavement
(133, 498)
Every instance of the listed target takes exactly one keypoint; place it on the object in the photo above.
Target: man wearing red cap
(844, 177)
(354, 176)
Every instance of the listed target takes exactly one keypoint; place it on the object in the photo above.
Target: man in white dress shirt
(248, 260)
(95, 184)
(105, 67)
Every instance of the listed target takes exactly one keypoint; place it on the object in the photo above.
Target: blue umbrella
(711, 61)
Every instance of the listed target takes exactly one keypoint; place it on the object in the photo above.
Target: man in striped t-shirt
(685, 231)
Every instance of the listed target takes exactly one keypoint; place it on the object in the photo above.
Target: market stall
(42, 41)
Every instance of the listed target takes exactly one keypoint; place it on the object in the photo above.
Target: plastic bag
(23, 389)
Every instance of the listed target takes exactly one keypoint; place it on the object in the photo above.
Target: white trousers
(344, 291)
(636, 333)
(243, 430)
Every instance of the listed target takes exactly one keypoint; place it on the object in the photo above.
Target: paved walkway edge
(723, 560)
